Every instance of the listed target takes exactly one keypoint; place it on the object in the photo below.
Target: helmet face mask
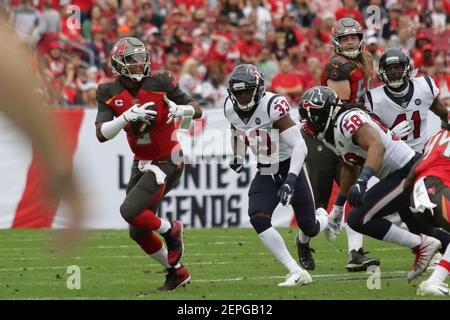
(245, 87)
(344, 43)
(130, 58)
(318, 108)
(395, 68)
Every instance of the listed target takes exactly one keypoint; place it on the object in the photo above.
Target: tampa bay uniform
(413, 107)
(113, 98)
(270, 150)
(158, 144)
(340, 68)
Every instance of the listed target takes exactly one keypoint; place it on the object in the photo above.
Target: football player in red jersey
(431, 200)
(144, 104)
(347, 72)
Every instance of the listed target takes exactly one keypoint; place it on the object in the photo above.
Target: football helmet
(130, 58)
(344, 27)
(395, 67)
(245, 87)
(318, 107)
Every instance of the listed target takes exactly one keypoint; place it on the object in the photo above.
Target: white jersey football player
(402, 104)
(362, 141)
(261, 121)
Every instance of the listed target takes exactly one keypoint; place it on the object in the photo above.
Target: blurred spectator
(148, 16)
(312, 77)
(292, 35)
(324, 31)
(268, 65)
(49, 28)
(88, 95)
(439, 16)
(417, 51)
(249, 48)
(263, 17)
(412, 10)
(212, 91)
(302, 11)
(188, 81)
(279, 48)
(94, 20)
(221, 38)
(320, 7)
(287, 83)
(349, 10)
(25, 20)
(54, 60)
(233, 11)
(278, 7)
(173, 64)
(440, 73)
(100, 47)
(200, 45)
(154, 46)
(391, 25)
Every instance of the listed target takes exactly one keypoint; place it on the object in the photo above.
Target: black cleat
(358, 261)
(175, 278)
(305, 255)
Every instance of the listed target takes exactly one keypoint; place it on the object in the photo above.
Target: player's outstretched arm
(239, 150)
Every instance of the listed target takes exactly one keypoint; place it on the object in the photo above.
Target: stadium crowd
(201, 41)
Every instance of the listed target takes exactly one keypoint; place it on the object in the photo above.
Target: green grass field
(224, 264)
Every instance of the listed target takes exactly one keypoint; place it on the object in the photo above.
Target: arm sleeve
(293, 138)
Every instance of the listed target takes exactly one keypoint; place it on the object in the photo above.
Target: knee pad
(260, 222)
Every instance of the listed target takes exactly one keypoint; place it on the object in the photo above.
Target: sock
(150, 243)
(442, 270)
(303, 238)
(147, 220)
(354, 239)
(165, 226)
(402, 237)
(161, 256)
(275, 243)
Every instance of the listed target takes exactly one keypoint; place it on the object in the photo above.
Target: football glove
(402, 129)
(335, 218)
(287, 189)
(356, 193)
(140, 113)
(237, 163)
(176, 110)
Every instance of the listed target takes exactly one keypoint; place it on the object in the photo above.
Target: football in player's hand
(141, 127)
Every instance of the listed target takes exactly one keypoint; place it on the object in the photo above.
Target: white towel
(146, 166)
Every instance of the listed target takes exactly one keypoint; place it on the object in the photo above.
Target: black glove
(356, 193)
(237, 163)
(287, 189)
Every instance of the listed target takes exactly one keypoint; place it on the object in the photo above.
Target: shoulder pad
(351, 121)
(338, 69)
(277, 107)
